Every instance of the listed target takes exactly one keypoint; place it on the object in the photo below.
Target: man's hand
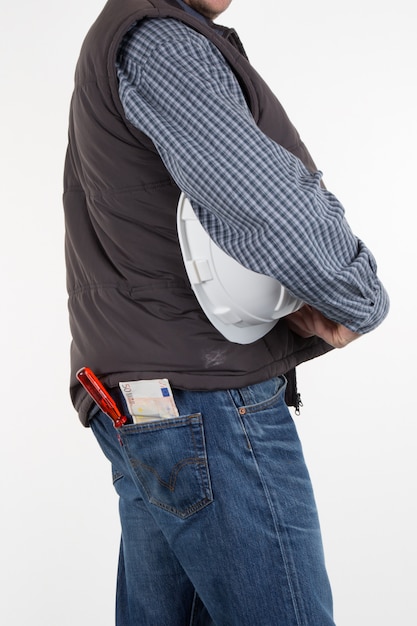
(308, 322)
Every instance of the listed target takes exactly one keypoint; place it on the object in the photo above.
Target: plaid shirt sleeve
(255, 199)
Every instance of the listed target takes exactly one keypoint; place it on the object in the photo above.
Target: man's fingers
(308, 322)
(301, 323)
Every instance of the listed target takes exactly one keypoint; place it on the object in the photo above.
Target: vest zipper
(298, 404)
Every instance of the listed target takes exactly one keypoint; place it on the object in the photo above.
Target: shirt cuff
(380, 308)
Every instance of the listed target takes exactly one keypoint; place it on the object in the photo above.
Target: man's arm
(256, 200)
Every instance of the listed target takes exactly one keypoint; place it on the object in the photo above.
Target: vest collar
(192, 11)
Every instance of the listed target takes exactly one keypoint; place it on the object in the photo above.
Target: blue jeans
(219, 523)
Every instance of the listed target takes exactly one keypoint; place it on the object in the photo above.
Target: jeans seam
(193, 609)
(295, 598)
(201, 462)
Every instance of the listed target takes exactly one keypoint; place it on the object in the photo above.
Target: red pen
(101, 396)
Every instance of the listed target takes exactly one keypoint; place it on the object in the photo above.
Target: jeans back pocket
(169, 460)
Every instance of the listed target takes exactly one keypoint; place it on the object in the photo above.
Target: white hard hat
(243, 305)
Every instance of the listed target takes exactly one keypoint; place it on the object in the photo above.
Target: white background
(346, 74)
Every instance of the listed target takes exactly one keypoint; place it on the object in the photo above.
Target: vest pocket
(169, 462)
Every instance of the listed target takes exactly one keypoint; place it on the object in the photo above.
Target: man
(219, 524)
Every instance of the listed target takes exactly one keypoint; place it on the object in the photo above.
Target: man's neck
(192, 11)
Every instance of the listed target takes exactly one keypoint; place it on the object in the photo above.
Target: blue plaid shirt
(255, 199)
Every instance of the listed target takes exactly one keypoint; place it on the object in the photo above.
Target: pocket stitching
(264, 404)
(171, 484)
(204, 482)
